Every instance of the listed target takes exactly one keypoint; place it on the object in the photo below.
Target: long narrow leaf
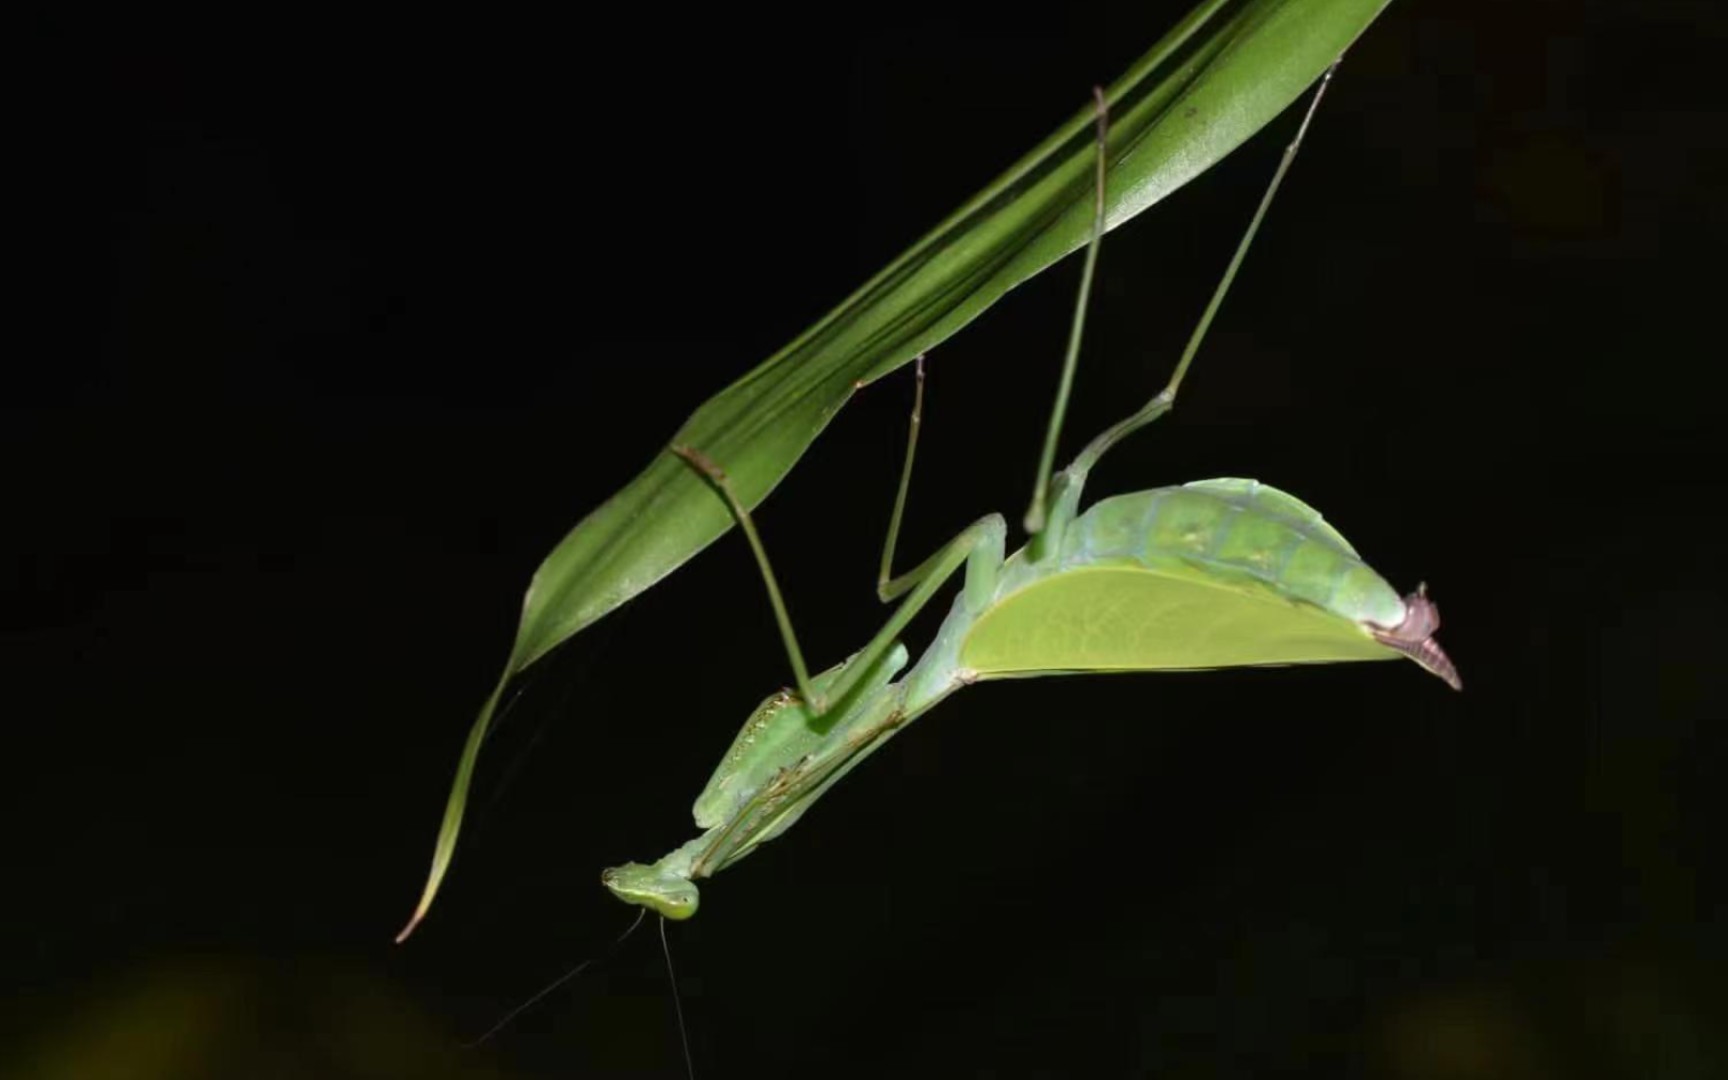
(1225, 71)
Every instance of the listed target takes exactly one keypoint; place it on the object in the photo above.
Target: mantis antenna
(677, 1001)
(560, 981)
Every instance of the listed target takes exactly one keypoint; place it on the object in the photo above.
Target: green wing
(1134, 617)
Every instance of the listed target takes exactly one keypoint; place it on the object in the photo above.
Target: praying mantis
(1218, 75)
(1213, 573)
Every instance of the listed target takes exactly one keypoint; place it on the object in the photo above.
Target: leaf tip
(419, 913)
(425, 904)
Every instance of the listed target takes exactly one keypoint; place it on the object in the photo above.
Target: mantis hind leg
(1165, 399)
(1065, 487)
(1036, 518)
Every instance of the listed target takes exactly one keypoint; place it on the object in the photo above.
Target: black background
(337, 328)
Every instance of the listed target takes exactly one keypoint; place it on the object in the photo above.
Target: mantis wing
(1173, 617)
(1220, 75)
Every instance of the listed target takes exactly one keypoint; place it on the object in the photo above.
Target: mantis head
(652, 887)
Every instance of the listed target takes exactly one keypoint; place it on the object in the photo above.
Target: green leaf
(1224, 72)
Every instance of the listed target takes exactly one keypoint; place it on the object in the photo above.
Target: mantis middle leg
(979, 548)
(887, 587)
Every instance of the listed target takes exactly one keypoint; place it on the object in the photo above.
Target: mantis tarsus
(1213, 573)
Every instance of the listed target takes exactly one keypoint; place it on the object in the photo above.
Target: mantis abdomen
(1215, 573)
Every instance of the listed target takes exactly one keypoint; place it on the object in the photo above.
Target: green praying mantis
(1217, 76)
(1209, 574)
